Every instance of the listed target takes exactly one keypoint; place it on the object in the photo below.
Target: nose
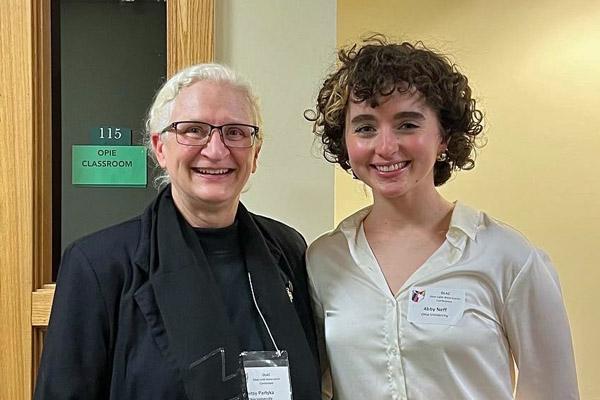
(215, 148)
(387, 142)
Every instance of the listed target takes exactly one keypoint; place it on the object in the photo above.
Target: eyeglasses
(196, 133)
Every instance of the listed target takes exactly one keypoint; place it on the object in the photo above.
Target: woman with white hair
(162, 305)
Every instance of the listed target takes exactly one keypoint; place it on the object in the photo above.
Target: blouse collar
(464, 226)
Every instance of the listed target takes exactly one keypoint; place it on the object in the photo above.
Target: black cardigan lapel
(266, 264)
(199, 338)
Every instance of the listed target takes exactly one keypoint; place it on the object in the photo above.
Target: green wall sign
(109, 165)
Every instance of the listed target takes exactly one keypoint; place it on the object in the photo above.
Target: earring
(443, 156)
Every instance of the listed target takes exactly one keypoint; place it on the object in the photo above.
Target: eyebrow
(401, 115)
(409, 115)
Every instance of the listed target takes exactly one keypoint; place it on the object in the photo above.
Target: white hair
(160, 112)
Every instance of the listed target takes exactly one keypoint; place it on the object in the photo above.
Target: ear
(442, 147)
(158, 146)
(255, 158)
(444, 139)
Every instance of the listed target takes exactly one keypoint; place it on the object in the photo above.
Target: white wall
(284, 48)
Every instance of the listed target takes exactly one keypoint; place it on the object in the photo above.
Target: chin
(391, 194)
(216, 199)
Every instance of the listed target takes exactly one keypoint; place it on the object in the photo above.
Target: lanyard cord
(261, 314)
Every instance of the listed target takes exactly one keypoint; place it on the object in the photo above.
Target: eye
(234, 131)
(193, 129)
(365, 130)
(237, 132)
(408, 125)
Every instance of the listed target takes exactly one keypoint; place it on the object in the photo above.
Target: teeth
(207, 171)
(391, 167)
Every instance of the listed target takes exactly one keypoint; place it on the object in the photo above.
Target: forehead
(210, 101)
(410, 100)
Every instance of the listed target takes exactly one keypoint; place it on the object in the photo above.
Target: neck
(425, 211)
(206, 215)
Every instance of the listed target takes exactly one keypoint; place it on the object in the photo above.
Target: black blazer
(121, 330)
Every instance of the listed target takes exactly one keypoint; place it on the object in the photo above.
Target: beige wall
(535, 67)
(281, 47)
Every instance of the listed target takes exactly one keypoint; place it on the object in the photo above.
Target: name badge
(266, 375)
(434, 305)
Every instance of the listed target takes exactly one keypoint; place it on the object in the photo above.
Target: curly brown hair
(378, 68)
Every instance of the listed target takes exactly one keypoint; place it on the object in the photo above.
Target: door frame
(26, 290)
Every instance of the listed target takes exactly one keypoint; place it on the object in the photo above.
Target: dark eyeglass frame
(173, 128)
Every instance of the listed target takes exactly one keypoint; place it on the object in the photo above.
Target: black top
(224, 255)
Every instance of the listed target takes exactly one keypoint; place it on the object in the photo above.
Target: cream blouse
(513, 314)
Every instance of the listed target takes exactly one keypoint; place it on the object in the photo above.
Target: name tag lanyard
(266, 373)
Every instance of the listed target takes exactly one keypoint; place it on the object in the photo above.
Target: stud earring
(443, 156)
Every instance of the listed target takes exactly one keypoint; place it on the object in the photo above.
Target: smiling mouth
(212, 171)
(392, 167)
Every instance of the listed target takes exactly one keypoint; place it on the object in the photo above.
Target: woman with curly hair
(417, 297)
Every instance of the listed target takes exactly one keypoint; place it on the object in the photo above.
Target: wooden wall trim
(41, 304)
(42, 144)
(16, 192)
(190, 33)
(41, 268)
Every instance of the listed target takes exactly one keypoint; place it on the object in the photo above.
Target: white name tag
(268, 383)
(434, 305)
(267, 375)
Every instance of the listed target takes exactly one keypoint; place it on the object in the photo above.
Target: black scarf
(207, 338)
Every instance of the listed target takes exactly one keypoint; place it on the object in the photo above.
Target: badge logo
(417, 295)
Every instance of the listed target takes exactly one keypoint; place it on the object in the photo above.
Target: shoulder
(505, 251)
(487, 236)
(120, 241)
(93, 272)
(504, 239)
(106, 256)
(327, 242)
(338, 239)
(280, 234)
